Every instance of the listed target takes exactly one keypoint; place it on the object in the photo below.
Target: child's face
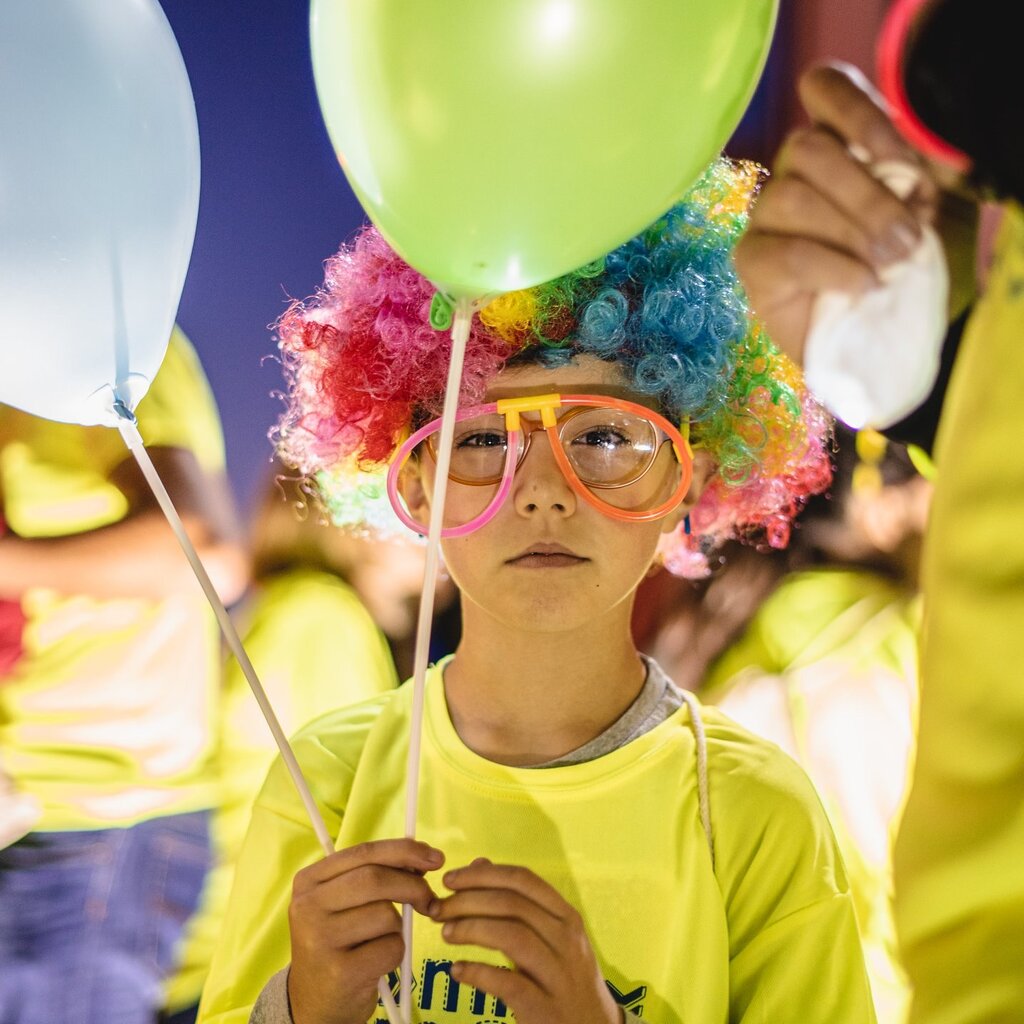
(548, 560)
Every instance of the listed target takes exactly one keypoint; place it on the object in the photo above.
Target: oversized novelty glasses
(606, 448)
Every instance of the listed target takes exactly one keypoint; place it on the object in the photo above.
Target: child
(593, 846)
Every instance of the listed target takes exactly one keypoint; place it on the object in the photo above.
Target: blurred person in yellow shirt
(107, 709)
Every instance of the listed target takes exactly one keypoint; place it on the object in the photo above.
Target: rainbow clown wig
(364, 364)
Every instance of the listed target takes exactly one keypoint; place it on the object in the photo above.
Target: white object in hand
(872, 359)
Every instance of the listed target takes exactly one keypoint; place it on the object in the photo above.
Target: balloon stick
(464, 309)
(127, 425)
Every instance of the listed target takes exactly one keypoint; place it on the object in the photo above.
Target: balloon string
(128, 427)
(460, 333)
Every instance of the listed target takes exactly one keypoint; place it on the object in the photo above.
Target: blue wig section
(670, 310)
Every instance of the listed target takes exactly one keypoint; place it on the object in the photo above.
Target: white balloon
(99, 194)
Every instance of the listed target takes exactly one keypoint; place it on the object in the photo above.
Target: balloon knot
(123, 411)
(441, 312)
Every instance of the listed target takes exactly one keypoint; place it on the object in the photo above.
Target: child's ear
(704, 468)
(413, 492)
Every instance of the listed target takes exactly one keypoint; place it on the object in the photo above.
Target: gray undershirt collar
(658, 700)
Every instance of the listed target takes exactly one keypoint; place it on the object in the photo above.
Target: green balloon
(500, 143)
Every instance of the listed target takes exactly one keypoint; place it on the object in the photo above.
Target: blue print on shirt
(439, 993)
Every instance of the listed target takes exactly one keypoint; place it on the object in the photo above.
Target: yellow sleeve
(254, 941)
(179, 410)
(959, 858)
(794, 950)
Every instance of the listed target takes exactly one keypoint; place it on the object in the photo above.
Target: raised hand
(555, 977)
(345, 930)
(823, 221)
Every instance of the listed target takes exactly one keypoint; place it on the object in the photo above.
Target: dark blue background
(274, 201)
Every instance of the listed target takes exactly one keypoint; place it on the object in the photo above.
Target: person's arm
(138, 556)
(958, 870)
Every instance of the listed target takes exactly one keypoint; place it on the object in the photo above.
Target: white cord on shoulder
(703, 790)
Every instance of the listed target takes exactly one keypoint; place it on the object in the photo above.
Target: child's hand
(345, 932)
(556, 979)
(823, 221)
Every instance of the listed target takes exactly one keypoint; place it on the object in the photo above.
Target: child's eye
(601, 437)
(481, 439)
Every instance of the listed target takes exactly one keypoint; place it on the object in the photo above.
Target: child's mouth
(547, 556)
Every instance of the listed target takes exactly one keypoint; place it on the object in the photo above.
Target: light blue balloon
(99, 193)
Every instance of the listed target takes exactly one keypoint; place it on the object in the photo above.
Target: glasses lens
(609, 447)
(479, 446)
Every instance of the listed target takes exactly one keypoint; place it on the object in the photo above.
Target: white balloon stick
(464, 309)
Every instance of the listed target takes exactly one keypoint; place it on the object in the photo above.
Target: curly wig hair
(367, 357)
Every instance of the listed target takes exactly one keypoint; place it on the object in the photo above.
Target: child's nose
(539, 485)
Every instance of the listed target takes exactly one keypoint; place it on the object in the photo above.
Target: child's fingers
(404, 854)
(515, 990)
(529, 953)
(371, 883)
(368, 884)
(377, 957)
(482, 874)
(409, 854)
(362, 924)
(350, 928)
(499, 903)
